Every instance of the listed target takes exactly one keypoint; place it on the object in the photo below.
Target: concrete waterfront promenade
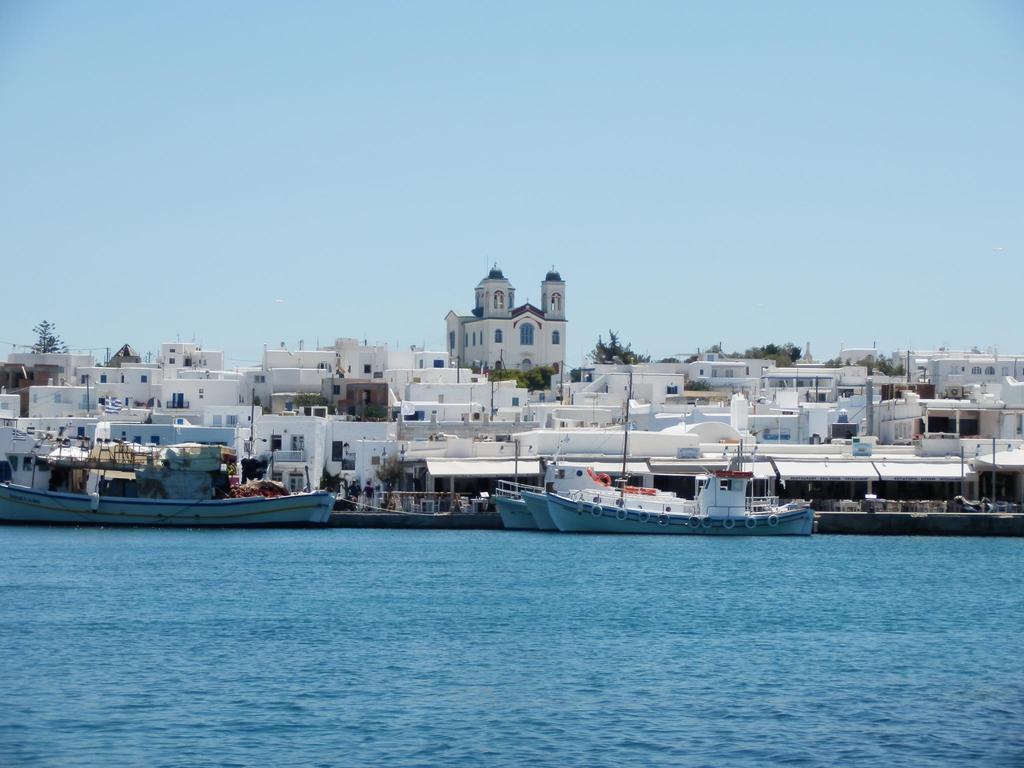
(854, 523)
(922, 524)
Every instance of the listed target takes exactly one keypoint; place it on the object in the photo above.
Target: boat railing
(645, 503)
(761, 503)
(511, 489)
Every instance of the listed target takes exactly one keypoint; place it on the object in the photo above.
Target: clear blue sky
(698, 172)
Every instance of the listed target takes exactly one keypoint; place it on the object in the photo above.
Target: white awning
(763, 470)
(1008, 460)
(611, 467)
(482, 467)
(920, 470)
(826, 470)
(687, 466)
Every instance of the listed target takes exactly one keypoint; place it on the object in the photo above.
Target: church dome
(495, 274)
(553, 275)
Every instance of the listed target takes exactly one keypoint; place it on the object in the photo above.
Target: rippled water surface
(181, 648)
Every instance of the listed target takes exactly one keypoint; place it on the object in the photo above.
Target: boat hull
(514, 514)
(577, 516)
(26, 505)
(537, 503)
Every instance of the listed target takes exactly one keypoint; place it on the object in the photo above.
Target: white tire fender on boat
(595, 510)
(694, 521)
(621, 514)
(750, 522)
(728, 523)
(705, 522)
(773, 520)
(662, 519)
(644, 517)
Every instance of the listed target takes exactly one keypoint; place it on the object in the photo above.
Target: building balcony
(176, 404)
(298, 457)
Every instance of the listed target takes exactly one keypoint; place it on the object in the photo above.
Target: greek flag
(113, 405)
(19, 435)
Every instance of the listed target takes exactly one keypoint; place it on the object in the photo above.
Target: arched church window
(526, 334)
(556, 302)
(499, 299)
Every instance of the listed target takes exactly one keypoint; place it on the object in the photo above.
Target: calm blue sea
(400, 648)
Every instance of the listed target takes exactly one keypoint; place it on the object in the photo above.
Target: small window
(976, 370)
(154, 439)
(515, 401)
(723, 485)
(144, 379)
(526, 334)
(232, 420)
(556, 337)
(336, 389)
(990, 370)
(366, 368)
(26, 463)
(103, 378)
(451, 339)
(275, 442)
(171, 361)
(497, 336)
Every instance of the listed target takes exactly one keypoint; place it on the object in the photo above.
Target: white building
(175, 355)
(499, 334)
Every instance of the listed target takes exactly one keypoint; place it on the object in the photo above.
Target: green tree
(616, 352)
(533, 379)
(309, 399)
(783, 354)
(47, 339)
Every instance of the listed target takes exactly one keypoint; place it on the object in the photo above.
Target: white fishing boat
(722, 507)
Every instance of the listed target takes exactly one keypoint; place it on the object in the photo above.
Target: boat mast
(625, 437)
(252, 421)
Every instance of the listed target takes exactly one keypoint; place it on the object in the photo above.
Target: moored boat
(515, 516)
(126, 484)
(19, 504)
(722, 507)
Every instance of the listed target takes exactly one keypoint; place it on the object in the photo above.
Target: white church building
(499, 334)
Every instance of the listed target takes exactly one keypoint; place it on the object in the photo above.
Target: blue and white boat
(721, 508)
(515, 515)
